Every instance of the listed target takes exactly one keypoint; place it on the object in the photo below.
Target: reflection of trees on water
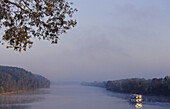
(18, 99)
(15, 107)
(21, 100)
(156, 99)
(144, 98)
(118, 95)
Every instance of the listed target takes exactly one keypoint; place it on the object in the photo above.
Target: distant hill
(95, 83)
(14, 79)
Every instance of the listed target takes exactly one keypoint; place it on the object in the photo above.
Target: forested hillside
(155, 86)
(15, 79)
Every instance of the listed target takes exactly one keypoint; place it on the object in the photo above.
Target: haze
(114, 39)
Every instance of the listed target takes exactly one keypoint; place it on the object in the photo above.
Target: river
(74, 97)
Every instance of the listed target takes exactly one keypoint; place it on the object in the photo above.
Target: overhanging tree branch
(42, 19)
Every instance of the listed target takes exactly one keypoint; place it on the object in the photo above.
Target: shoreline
(13, 92)
(19, 91)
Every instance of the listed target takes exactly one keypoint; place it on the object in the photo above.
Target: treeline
(14, 79)
(155, 86)
(95, 83)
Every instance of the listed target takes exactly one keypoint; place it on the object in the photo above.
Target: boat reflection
(138, 105)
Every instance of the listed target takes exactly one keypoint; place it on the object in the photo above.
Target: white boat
(136, 98)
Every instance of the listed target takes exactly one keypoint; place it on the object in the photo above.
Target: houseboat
(136, 98)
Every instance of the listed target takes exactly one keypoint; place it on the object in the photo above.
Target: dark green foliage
(155, 86)
(13, 79)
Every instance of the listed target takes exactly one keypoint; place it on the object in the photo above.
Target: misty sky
(114, 39)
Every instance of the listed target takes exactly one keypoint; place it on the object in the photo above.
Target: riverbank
(151, 87)
(13, 92)
(21, 91)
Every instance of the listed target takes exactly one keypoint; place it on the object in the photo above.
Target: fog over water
(114, 39)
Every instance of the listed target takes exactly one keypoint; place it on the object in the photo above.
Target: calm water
(73, 97)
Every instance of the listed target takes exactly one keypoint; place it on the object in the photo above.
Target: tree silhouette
(43, 19)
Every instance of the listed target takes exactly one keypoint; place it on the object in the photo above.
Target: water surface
(73, 97)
